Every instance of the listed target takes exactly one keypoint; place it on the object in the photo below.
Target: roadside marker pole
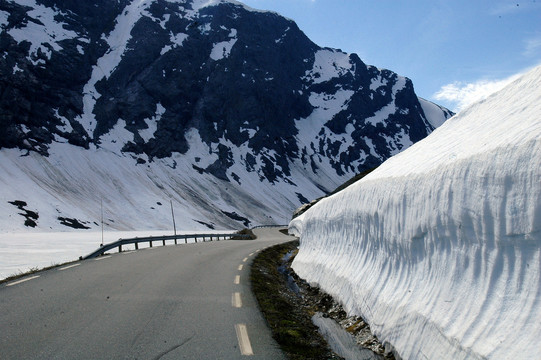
(101, 206)
(174, 225)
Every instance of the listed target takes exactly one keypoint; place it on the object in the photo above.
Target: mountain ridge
(152, 81)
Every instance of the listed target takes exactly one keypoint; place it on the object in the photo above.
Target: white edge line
(68, 267)
(240, 267)
(244, 340)
(102, 257)
(245, 259)
(237, 279)
(23, 280)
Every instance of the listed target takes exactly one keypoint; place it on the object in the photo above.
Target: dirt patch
(288, 303)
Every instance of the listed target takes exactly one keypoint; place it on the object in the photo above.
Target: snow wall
(439, 249)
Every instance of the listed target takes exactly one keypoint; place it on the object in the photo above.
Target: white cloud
(463, 94)
(532, 46)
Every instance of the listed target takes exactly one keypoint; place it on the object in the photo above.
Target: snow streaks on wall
(440, 247)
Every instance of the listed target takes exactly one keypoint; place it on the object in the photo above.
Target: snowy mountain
(440, 247)
(230, 112)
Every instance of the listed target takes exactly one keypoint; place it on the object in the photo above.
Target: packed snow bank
(439, 249)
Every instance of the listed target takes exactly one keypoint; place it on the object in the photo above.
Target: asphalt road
(176, 302)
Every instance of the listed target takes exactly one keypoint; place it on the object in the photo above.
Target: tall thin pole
(174, 225)
(101, 203)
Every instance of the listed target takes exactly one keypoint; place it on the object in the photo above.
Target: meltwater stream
(340, 341)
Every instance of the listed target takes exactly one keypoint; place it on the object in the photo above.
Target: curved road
(175, 302)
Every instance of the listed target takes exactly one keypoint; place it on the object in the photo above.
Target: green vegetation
(291, 324)
(245, 232)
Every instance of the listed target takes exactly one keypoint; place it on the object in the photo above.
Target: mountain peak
(230, 92)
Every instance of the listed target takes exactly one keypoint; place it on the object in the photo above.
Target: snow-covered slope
(69, 187)
(440, 247)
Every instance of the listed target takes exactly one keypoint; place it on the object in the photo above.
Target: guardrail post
(136, 246)
(185, 239)
(119, 248)
(195, 237)
(175, 240)
(150, 241)
(163, 242)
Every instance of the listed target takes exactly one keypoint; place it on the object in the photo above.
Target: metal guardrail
(150, 239)
(269, 226)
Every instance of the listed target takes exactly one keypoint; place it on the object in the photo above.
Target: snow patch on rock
(329, 64)
(118, 43)
(4, 16)
(383, 114)
(152, 124)
(43, 34)
(176, 41)
(222, 49)
(326, 106)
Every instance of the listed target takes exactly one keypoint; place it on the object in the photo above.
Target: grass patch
(248, 232)
(290, 324)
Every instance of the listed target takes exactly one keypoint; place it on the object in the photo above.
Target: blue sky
(455, 51)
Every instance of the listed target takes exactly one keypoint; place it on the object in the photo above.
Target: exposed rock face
(143, 78)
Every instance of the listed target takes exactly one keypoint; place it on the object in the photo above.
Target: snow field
(439, 249)
(21, 252)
